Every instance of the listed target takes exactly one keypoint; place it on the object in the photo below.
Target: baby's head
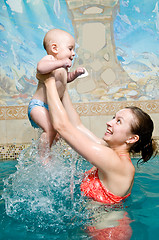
(57, 42)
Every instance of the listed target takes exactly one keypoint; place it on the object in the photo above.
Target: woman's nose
(109, 123)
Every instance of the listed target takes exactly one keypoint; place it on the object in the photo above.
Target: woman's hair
(143, 126)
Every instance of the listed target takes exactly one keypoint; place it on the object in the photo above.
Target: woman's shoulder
(126, 165)
(118, 163)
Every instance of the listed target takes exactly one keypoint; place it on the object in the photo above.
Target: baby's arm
(48, 64)
(73, 75)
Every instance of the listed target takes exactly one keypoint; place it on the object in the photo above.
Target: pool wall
(116, 43)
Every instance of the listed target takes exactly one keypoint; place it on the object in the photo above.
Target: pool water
(43, 201)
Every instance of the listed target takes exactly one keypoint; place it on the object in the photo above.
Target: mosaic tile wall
(11, 151)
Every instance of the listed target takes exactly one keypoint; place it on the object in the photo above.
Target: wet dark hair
(143, 126)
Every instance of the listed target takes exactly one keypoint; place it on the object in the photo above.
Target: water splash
(46, 196)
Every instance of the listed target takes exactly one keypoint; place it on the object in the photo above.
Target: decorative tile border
(84, 109)
(109, 108)
(13, 112)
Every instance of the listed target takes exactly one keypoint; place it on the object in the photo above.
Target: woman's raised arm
(94, 152)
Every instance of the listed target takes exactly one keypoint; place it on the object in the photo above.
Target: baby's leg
(41, 117)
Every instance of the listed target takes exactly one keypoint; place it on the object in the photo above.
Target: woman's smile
(108, 132)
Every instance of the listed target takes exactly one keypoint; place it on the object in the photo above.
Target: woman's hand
(43, 77)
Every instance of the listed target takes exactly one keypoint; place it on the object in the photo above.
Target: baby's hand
(79, 71)
(73, 75)
(43, 77)
(67, 63)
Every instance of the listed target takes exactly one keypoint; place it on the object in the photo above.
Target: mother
(111, 179)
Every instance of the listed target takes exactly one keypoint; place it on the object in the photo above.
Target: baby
(59, 46)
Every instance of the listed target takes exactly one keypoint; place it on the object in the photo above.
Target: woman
(111, 179)
(130, 130)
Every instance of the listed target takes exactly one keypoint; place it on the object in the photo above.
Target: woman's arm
(96, 154)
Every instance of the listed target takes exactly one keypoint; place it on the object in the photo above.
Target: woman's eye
(118, 121)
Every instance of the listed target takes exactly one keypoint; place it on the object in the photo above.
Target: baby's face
(66, 46)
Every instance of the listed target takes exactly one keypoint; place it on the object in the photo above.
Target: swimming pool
(44, 202)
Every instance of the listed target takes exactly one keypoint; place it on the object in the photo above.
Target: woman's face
(119, 128)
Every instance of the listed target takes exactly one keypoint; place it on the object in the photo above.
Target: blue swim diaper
(34, 103)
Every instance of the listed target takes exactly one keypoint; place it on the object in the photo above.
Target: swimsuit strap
(125, 155)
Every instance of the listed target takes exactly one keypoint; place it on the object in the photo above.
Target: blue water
(43, 201)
